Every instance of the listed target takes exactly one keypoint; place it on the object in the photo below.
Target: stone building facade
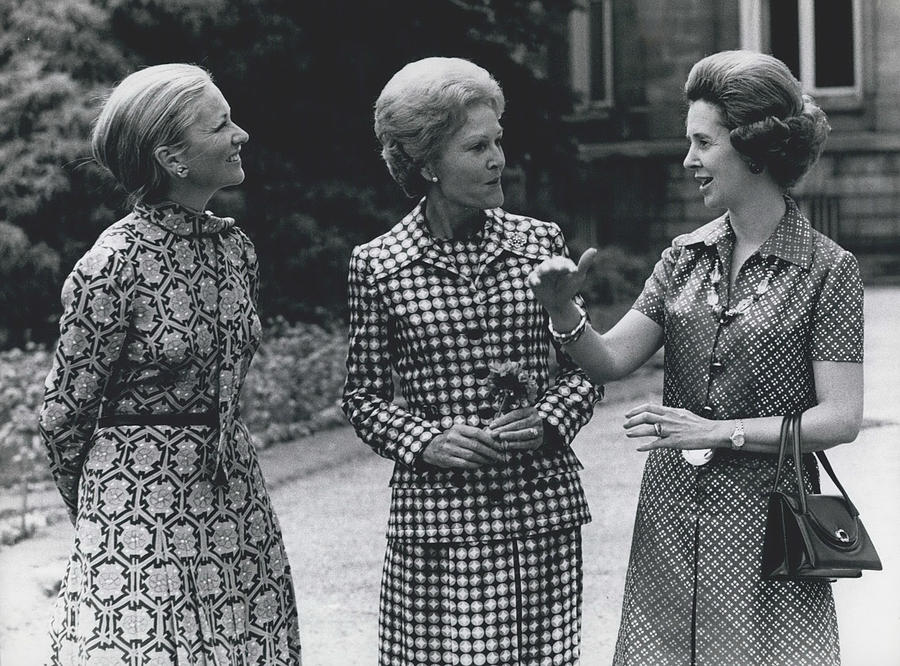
(628, 60)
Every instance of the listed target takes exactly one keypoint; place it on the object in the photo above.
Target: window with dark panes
(833, 21)
(591, 51)
(817, 40)
(784, 33)
(598, 37)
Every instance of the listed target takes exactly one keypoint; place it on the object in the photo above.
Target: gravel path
(332, 497)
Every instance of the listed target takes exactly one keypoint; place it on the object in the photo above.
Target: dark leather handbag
(813, 536)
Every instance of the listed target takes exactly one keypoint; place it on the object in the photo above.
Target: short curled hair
(421, 107)
(772, 123)
(150, 108)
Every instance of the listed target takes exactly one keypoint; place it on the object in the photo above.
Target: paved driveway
(331, 495)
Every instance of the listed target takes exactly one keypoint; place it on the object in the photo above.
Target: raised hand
(463, 446)
(556, 280)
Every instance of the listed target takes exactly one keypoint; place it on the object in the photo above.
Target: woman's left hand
(519, 430)
(672, 428)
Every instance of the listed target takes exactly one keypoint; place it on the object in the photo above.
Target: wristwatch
(737, 437)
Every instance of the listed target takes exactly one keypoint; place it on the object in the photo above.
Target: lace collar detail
(183, 221)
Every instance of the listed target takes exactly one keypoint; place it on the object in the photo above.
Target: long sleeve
(568, 404)
(93, 325)
(390, 430)
(252, 266)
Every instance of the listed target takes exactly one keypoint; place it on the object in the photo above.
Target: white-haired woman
(483, 562)
(178, 554)
(761, 316)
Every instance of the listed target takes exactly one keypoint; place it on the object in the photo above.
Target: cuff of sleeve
(552, 436)
(414, 458)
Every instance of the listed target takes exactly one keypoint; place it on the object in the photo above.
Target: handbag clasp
(842, 535)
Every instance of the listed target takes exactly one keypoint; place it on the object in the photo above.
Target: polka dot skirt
(510, 602)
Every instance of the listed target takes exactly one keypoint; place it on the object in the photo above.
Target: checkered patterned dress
(178, 554)
(694, 592)
(482, 566)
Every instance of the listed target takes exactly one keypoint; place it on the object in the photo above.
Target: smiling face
(725, 180)
(212, 145)
(471, 163)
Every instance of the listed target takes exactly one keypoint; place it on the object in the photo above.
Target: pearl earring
(756, 167)
(434, 179)
(182, 171)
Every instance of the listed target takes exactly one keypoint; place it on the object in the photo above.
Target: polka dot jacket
(438, 314)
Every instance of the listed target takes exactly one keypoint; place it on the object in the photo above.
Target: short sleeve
(837, 327)
(652, 300)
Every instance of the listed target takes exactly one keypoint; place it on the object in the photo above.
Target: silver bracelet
(570, 337)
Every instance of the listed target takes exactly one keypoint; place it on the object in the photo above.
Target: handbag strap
(790, 430)
(795, 445)
(823, 460)
(786, 426)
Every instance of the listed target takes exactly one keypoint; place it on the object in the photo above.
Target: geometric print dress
(694, 591)
(178, 555)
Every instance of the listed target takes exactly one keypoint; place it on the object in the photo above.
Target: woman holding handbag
(760, 316)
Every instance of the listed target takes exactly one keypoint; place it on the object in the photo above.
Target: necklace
(728, 315)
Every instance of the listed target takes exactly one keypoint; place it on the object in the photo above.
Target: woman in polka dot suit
(760, 316)
(483, 562)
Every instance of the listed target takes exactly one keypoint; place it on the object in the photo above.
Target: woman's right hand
(557, 279)
(463, 446)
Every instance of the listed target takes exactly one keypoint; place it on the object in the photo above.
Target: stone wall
(637, 194)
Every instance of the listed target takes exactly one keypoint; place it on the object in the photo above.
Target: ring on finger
(658, 429)
(534, 432)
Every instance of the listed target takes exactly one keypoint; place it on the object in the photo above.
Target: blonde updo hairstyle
(422, 106)
(150, 108)
(773, 124)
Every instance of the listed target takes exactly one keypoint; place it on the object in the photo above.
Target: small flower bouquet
(511, 387)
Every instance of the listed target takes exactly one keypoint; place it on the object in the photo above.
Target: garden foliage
(301, 77)
(291, 390)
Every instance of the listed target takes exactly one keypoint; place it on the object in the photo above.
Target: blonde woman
(178, 554)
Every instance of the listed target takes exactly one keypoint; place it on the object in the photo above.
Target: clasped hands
(469, 447)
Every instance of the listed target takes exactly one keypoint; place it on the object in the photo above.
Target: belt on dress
(182, 419)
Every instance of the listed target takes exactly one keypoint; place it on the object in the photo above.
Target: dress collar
(183, 221)
(791, 240)
(411, 240)
(497, 231)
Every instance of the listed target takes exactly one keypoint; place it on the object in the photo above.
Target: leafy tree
(30, 277)
(301, 76)
(56, 57)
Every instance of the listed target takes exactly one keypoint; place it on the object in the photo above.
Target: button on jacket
(416, 311)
